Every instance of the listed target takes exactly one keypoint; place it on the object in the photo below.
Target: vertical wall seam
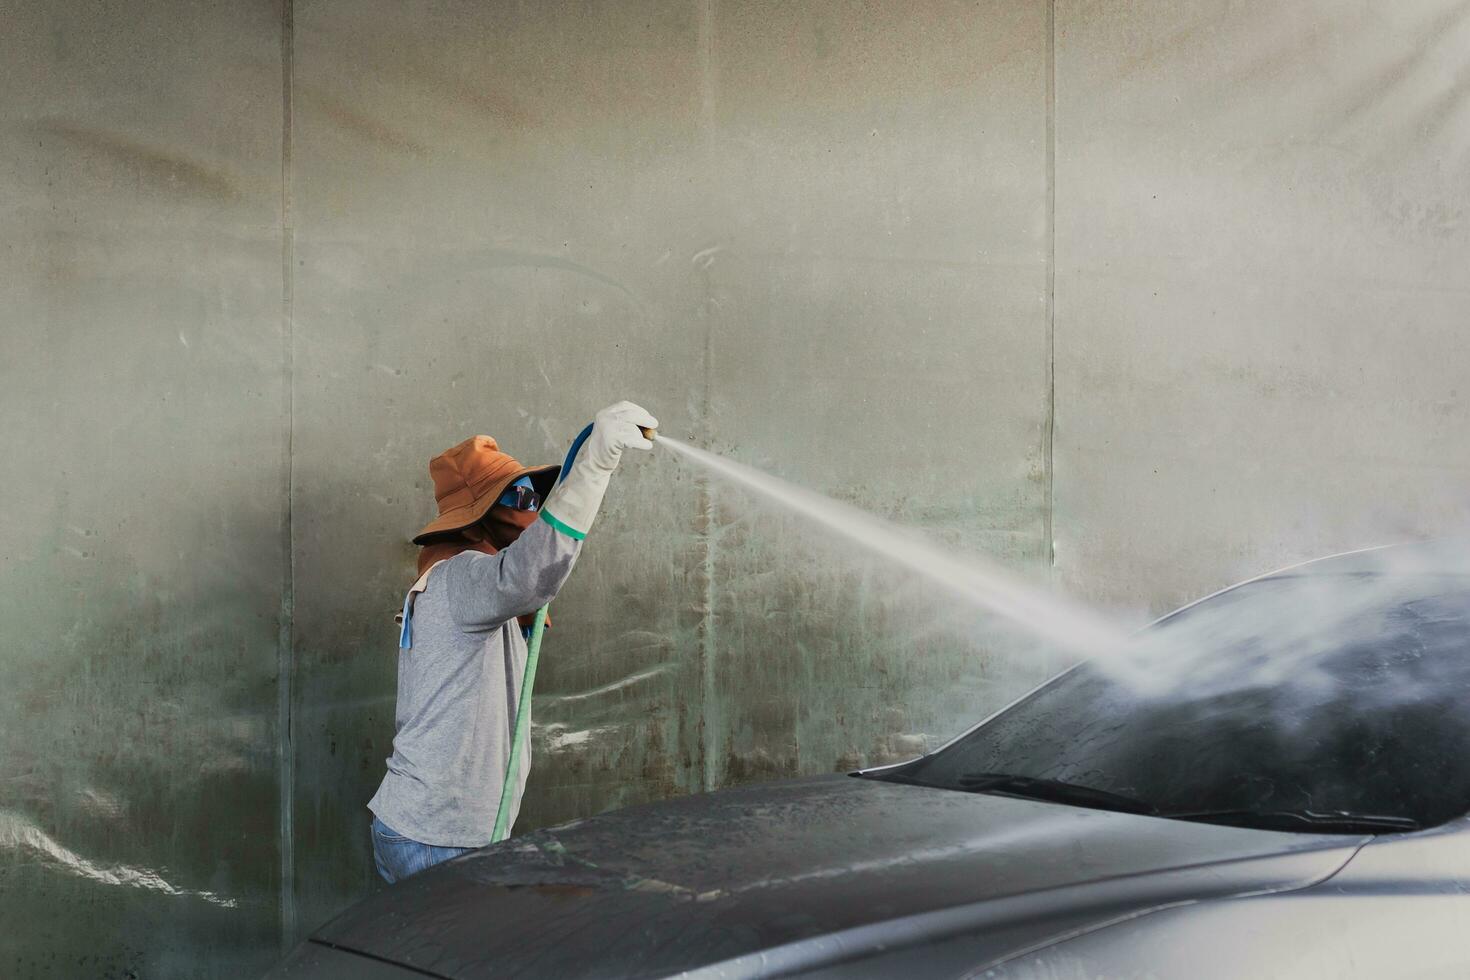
(1048, 436)
(707, 748)
(285, 639)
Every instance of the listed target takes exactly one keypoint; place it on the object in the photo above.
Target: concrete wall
(261, 263)
(141, 553)
(1261, 249)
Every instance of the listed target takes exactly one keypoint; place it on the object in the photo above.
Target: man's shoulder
(454, 565)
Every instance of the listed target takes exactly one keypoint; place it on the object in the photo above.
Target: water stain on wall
(152, 167)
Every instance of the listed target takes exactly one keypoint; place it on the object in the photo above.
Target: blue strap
(405, 633)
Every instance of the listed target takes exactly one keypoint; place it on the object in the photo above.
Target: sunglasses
(520, 498)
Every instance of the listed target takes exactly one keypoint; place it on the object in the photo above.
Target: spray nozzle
(648, 432)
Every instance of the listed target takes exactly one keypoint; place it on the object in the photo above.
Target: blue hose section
(572, 453)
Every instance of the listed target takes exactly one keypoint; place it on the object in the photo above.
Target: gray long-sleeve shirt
(458, 687)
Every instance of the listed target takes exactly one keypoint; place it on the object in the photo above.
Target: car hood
(792, 875)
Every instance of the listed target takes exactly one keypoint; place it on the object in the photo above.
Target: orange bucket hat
(470, 477)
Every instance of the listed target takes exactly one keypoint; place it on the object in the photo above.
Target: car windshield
(1273, 715)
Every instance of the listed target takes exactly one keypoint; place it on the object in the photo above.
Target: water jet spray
(978, 583)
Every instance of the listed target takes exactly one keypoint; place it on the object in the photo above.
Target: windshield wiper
(1336, 822)
(1051, 791)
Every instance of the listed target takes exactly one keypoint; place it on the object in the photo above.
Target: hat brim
(462, 517)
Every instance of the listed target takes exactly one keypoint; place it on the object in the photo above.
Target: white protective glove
(573, 504)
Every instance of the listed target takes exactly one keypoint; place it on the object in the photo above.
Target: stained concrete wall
(261, 263)
(141, 553)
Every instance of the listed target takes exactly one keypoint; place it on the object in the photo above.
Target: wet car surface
(1302, 813)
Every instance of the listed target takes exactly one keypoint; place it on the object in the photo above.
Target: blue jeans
(398, 857)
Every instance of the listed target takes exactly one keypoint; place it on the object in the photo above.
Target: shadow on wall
(138, 785)
(352, 563)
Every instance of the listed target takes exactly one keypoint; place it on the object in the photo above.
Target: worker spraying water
(504, 542)
(496, 553)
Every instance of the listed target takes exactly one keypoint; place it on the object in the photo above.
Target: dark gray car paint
(789, 876)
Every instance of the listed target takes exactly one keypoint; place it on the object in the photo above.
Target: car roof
(1429, 556)
(1436, 556)
(1432, 556)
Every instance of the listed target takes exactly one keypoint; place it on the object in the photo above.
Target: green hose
(528, 681)
(523, 727)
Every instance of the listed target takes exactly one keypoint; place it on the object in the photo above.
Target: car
(1276, 784)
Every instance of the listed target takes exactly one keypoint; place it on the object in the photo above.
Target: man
(495, 554)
